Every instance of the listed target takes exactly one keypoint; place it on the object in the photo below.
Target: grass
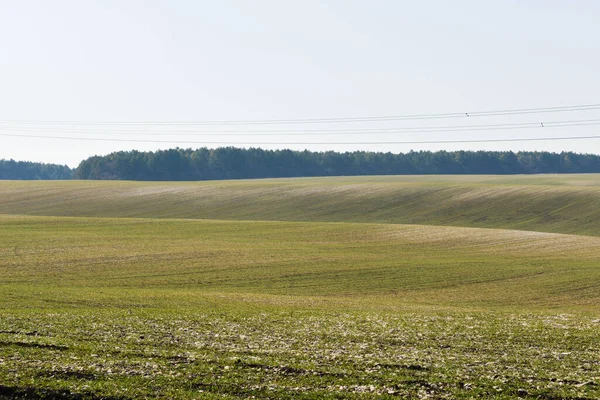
(299, 354)
(547, 203)
(414, 264)
(94, 305)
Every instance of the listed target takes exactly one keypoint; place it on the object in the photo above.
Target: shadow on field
(34, 345)
(68, 375)
(16, 392)
(409, 367)
(26, 333)
(286, 370)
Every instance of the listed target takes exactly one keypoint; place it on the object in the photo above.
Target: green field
(546, 203)
(354, 287)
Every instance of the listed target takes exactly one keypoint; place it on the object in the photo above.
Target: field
(353, 287)
(546, 203)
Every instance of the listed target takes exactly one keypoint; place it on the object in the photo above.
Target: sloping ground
(128, 308)
(83, 261)
(547, 203)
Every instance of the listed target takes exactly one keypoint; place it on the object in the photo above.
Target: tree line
(238, 163)
(25, 170)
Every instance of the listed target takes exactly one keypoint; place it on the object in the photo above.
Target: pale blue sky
(238, 60)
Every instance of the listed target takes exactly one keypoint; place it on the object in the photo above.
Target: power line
(239, 143)
(431, 129)
(521, 111)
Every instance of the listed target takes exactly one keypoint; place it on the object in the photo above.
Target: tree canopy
(237, 163)
(25, 170)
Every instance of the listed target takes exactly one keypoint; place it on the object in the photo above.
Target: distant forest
(236, 163)
(24, 170)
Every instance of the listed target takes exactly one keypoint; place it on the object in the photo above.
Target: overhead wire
(239, 143)
(505, 112)
(430, 129)
(15, 128)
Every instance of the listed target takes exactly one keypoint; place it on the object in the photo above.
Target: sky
(147, 70)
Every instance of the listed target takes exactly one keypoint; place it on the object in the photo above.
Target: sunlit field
(357, 287)
(548, 203)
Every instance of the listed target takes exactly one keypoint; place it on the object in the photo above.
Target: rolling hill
(396, 264)
(546, 203)
(362, 287)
